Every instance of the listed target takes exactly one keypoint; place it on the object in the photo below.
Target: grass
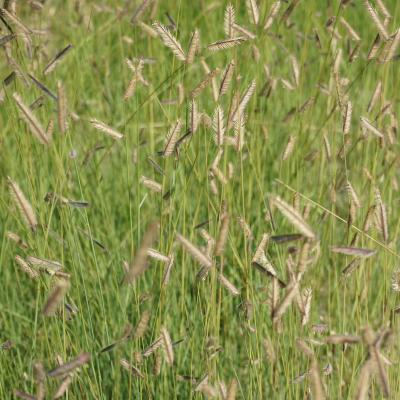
(95, 76)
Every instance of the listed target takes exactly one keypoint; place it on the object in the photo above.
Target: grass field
(260, 354)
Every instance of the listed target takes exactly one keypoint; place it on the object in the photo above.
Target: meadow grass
(95, 76)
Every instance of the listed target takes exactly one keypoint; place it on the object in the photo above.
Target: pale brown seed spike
(299, 302)
(272, 14)
(317, 39)
(105, 128)
(217, 158)
(355, 239)
(21, 28)
(368, 218)
(229, 19)
(147, 28)
(266, 70)
(232, 389)
(352, 214)
(252, 10)
(50, 266)
(156, 365)
(286, 301)
(138, 264)
(167, 269)
(370, 127)
(353, 195)
(157, 255)
(243, 31)
(206, 119)
(193, 116)
(194, 251)
(226, 78)
(351, 32)
(132, 369)
(380, 214)
(233, 106)
(267, 88)
(58, 359)
(349, 269)
(243, 101)
(152, 348)
(229, 286)
(39, 376)
(62, 108)
(296, 201)
(289, 147)
(354, 53)
(225, 44)
(385, 111)
(223, 210)
(23, 205)
(26, 267)
(149, 183)
(169, 40)
(141, 325)
(339, 89)
(307, 305)
(63, 387)
(137, 357)
(294, 217)
(347, 111)
(193, 46)
(316, 382)
(245, 227)
(64, 369)
(34, 126)
(327, 149)
(172, 138)
(15, 238)
(239, 133)
(219, 174)
(303, 257)
(54, 298)
(374, 47)
(167, 346)
(306, 105)
(218, 126)
(289, 271)
(203, 83)
(289, 10)
(361, 388)
(344, 149)
(37, 103)
(139, 11)
(260, 247)
(56, 60)
(273, 295)
(278, 323)
(304, 348)
(393, 46)
(295, 68)
(383, 9)
(377, 21)
(255, 53)
(136, 76)
(268, 349)
(5, 39)
(180, 92)
(222, 236)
